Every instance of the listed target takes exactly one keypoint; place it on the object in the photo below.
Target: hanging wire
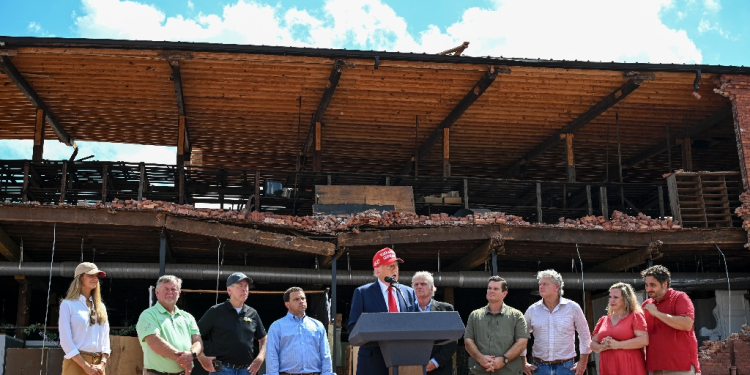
(583, 281)
(49, 287)
(729, 288)
(20, 260)
(218, 269)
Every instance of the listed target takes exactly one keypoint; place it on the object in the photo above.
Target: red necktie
(392, 307)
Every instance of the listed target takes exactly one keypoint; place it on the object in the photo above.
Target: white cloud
(584, 30)
(705, 26)
(190, 5)
(37, 29)
(712, 5)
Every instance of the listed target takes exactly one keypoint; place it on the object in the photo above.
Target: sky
(657, 31)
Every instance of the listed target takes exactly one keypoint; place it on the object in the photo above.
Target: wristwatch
(505, 359)
(195, 355)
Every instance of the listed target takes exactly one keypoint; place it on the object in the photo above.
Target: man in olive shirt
(169, 336)
(496, 334)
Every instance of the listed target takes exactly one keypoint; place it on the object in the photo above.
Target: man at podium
(382, 296)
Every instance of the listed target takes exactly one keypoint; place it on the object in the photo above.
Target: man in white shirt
(554, 321)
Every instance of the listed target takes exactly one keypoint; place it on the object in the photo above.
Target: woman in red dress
(621, 335)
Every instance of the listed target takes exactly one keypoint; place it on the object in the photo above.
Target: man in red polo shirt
(672, 346)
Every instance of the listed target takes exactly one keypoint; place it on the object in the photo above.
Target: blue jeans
(558, 369)
(230, 371)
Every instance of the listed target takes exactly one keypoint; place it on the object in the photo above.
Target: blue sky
(660, 31)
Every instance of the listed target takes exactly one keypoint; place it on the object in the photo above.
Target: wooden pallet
(704, 199)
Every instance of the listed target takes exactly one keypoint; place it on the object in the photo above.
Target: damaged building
(295, 165)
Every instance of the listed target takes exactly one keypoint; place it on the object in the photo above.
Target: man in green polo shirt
(169, 336)
(496, 334)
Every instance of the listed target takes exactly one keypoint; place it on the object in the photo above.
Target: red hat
(384, 257)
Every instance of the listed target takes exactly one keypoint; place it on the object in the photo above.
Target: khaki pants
(70, 367)
(670, 372)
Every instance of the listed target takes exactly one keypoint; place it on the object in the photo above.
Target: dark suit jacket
(443, 354)
(369, 299)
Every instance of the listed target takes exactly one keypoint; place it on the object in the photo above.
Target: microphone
(394, 283)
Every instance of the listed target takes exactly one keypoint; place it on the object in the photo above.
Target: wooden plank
(7, 67)
(63, 181)
(249, 236)
(622, 262)
(142, 180)
(402, 197)
(674, 200)
(446, 152)
(588, 200)
(105, 178)
(24, 305)
(477, 256)
(687, 154)
(38, 153)
(25, 187)
(538, 202)
(474, 93)
(569, 157)
(317, 153)
(607, 102)
(604, 202)
(543, 234)
(73, 215)
(256, 207)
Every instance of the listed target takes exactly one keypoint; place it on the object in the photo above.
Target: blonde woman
(83, 325)
(621, 335)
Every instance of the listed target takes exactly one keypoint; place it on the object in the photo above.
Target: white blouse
(76, 334)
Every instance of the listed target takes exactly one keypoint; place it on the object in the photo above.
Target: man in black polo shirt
(228, 330)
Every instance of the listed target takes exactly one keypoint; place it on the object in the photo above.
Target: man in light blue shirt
(297, 343)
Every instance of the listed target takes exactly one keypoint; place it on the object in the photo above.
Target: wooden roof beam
(699, 128)
(630, 260)
(325, 100)
(7, 67)
(250, 236)
(8, 247)
(606, 103)
(542, 235)
(479, 88)
(177, 79)
(478, 256)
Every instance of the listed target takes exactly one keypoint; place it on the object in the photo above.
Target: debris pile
(372, 218)
(717, 357)
(620, 221)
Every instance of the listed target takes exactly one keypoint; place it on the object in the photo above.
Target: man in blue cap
(228, 330)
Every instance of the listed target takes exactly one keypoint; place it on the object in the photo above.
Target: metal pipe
(299, 276)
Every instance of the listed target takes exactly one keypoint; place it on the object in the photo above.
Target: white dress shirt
(554, 332)
(384, 289)
(76, 334)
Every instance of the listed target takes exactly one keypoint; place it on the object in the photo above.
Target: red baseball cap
(384, 257)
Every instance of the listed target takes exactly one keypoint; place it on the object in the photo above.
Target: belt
(154, 372)
(95, 355)
(555, 362)
(236, 367)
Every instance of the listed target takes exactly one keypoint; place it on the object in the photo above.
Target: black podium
(406, 339)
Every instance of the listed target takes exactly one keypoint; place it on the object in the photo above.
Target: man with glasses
(229, 329)
(169, 336)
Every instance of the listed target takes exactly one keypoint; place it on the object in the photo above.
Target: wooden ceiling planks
(244, 108)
